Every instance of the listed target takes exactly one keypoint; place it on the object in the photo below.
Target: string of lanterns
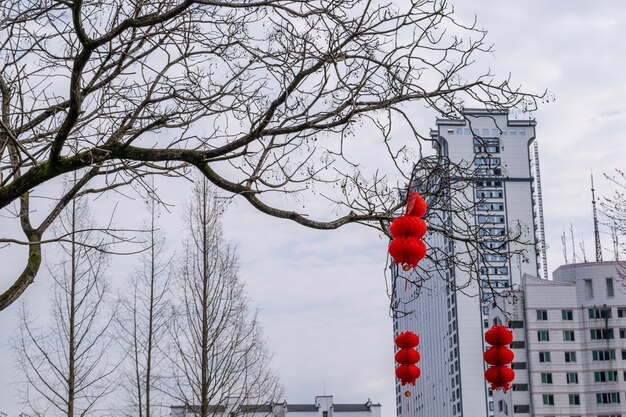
(407, 357)
(407, 247)
(499, 374)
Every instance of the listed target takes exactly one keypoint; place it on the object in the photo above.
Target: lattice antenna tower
(571, 232)
(596, 231)
(542, 229)
(564, 243)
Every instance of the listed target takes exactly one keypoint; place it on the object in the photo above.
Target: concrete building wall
(586, 371)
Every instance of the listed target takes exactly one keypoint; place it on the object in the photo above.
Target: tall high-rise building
(488, 196)
(570, 350)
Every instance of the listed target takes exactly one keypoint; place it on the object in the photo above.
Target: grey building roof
(301, 407)
(350, 407)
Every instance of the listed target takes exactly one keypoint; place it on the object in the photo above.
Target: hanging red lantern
(407, 226)
(500, 377)
(498, 336)
(407, 251)
(407, 374)
(415, 205)
(407, 340)
(407, 356)
(498, 355)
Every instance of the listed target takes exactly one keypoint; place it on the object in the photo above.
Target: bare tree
(262, 97)
(66, 364)
(218, 351)
(613, 209)
(144, 317)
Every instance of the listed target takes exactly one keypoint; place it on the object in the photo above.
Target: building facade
(491, 156)
(569, 343)
(322, 407)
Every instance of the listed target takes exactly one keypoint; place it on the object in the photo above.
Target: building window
(548, 399)
(521, 409)
(459, 131)
(567, 315)
(542, 314)
(494, 270)
(518, 344)
(572, 378)
(588, 289)
(482, 218)
(495, 245)
(607, 397)
(599, 334)
(467, 132)
(521, 365)
(450, 131)
(599, 313)
(520, 387)
(623, 354)
(574, 399)
(620, 312)
(521, 132)
(609, 288)
(491, 231)
(490, 207)
(546, 378)
(489, 194)
(622, 333)
(544, 357)
(489, 257)
(543, 336)
(512, 132)
(570, 356)
(605, 376)
(603, 355)
(481, 161)
(568, 335)
(494, 283)
(516, 324)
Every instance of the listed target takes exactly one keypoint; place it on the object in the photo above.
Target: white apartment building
(500, 199)
(569, 342)
(322, 407)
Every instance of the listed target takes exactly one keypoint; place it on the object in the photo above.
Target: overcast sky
(321, 295)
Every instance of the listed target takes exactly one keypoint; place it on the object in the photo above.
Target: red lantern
(407, 251)
(500, 377)
(415, 205)
(407, 374)
(498, 355)
(407, 340)
(407, 356)
(498, 336)
(407, 226)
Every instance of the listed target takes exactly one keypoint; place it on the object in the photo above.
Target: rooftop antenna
(596, 232)
(571, 231)
(582, 247)
(542, 243)
(564, 243)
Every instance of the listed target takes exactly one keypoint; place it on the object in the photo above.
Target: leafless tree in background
(218, 350)
(264, 98)
(66, 365)
(143, 320)
(613, 209)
